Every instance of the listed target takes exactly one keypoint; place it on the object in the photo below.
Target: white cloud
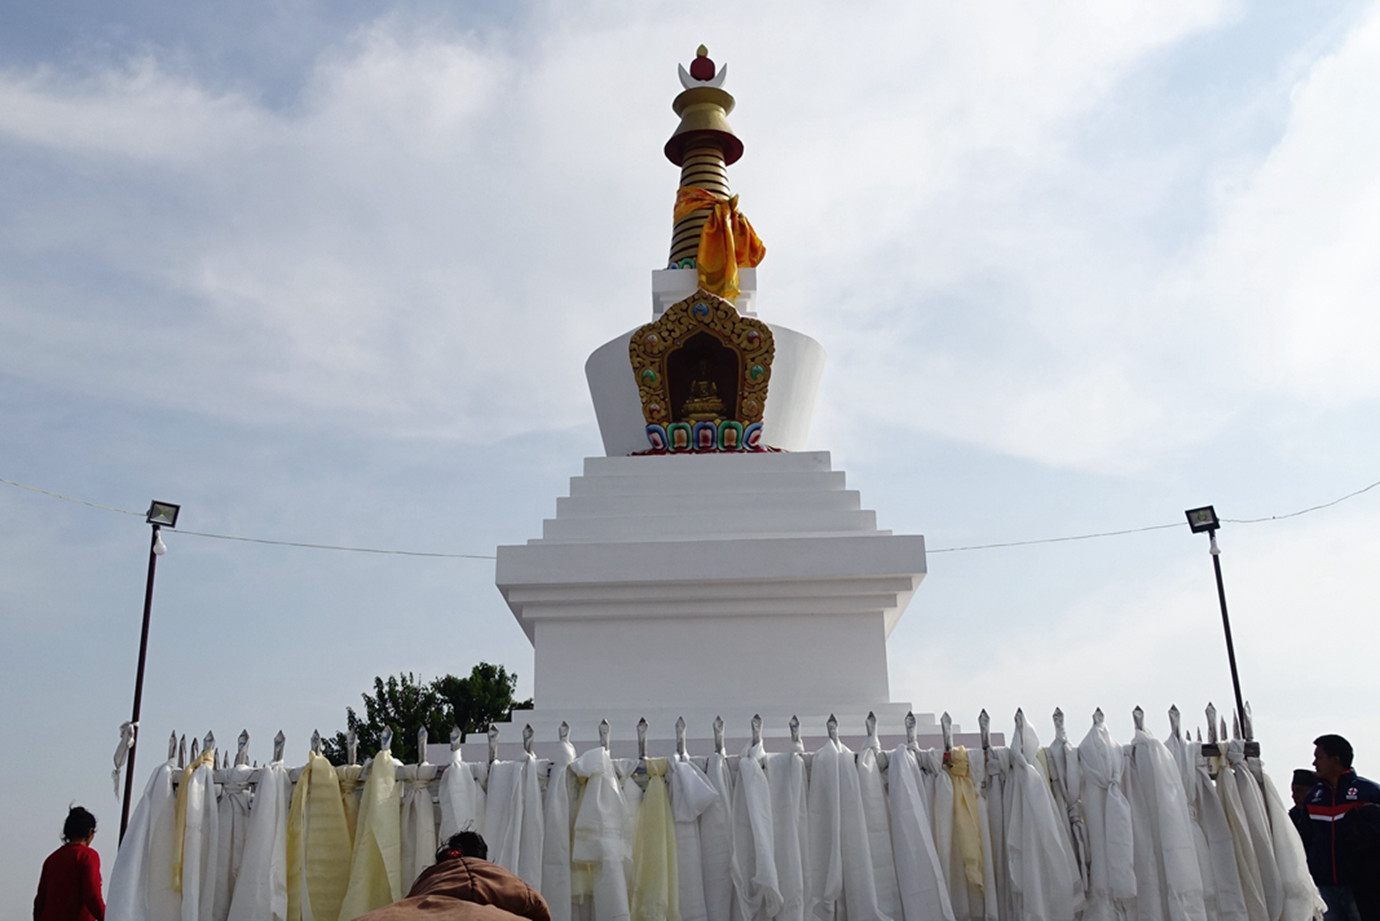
(425, 238)
(137, 112)
(1030, 311)
(1292, 270)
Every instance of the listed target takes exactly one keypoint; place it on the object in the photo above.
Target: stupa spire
(703, 146)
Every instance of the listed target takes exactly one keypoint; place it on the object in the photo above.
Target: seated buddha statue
(703, 403)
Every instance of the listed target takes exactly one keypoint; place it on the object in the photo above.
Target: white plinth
(697, 585)
(672, 285)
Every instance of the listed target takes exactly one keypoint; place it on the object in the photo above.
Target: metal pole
(1226, 628)
(139, 686)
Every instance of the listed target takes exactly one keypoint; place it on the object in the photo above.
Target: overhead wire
(477, 556)
(250, 540)
(294, 543)
(1155, 527)
(1304, 511)
(58, 495)
(1055, 540)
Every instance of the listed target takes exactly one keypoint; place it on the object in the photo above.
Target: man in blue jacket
(1343, 840)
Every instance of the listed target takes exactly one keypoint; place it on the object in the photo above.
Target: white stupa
(709, 565)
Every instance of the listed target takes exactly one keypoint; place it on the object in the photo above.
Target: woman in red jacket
(70, 887)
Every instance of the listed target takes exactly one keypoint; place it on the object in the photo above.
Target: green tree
(405, 704)
(485, 697)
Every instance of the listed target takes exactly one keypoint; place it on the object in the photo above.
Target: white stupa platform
(699, 585)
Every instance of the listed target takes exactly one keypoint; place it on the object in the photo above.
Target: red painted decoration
(702, 68)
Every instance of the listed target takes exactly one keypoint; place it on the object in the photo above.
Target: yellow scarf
(318, 844)
(967, 830)
(180, 813)
(376, 862)
(348, 775)
(726, 242)
(655, 887)
(582, 873)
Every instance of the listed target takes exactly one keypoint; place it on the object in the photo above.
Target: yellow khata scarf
(726, 242)
(375, 864)
(319, 868)
(582, 873)
(348, 776)
(967, 830)
(180, 813)
(655, 886)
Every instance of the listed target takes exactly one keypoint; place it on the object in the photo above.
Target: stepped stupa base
(711, 584)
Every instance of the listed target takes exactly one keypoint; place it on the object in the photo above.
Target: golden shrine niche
(702, 373)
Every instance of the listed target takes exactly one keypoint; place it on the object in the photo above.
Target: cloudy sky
(329, 272)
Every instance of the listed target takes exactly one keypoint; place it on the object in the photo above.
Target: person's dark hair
(1336, 747)
(1304, 777)
(79, 825)
(463, 844)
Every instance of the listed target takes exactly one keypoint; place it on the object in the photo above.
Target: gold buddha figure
(703, 403)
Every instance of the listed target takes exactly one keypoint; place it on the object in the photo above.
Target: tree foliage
(405, 704)
(485, 697)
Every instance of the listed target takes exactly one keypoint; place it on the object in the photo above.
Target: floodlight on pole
(160, 515)
(1205, 519)
(163, 513)
(1202, 519)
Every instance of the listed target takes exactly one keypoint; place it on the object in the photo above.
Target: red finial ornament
(702, 68)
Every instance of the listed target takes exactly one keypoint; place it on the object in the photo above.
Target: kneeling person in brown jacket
(463, 886)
